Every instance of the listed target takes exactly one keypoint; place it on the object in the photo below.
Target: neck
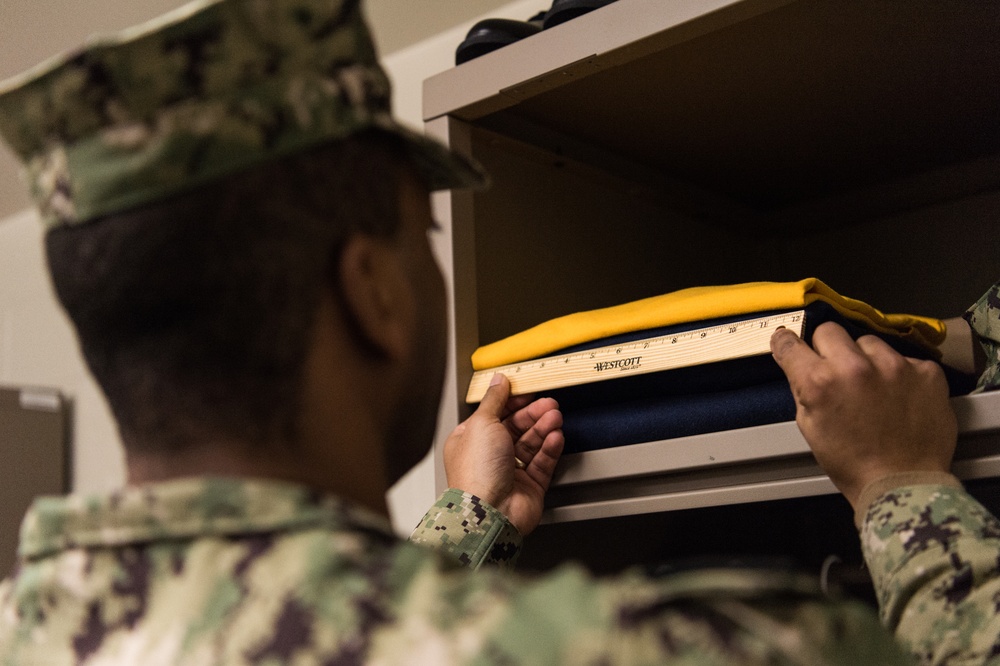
(340, 445)
(349, 471)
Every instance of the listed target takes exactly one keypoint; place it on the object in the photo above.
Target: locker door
(34, 457)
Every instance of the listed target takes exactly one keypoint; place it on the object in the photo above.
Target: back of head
(194, 313)
(197, 175)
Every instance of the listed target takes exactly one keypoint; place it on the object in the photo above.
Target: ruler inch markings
(737, 339)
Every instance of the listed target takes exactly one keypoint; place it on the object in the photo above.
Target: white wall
(38, 348)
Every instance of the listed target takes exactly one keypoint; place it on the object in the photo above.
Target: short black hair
(194, 314)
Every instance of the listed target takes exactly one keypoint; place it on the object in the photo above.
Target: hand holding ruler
(738, 339)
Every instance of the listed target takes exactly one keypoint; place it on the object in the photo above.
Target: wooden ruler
(739, 339)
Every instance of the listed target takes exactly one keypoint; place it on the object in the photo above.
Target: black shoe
(564, 10)
(492, 34)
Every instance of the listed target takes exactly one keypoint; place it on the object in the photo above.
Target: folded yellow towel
(697, 304)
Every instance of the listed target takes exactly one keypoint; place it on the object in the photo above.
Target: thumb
(495, 400)
(788, 349)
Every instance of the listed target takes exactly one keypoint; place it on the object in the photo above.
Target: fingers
(515, 403)
(816, 372)
(874, 346)
(543, 462)
(866, 410)
(891, 363)
(540, 441)
(545, 419)
(893, 366)
(494, 403)
(792, 353)
(533, 425)
(829, 342)
(526, 416)
(498, 402)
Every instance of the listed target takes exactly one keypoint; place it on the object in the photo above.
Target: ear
(377, 298)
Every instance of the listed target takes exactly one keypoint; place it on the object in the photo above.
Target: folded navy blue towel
(732, 394)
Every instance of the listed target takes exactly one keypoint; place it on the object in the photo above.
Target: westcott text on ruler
(738, 339)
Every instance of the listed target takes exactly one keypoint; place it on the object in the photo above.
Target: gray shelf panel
(743, 493)
(739, 466)
(682, 454)
(976, 414)
(691, 499)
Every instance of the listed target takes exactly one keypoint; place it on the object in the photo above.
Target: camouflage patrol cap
(205, 91)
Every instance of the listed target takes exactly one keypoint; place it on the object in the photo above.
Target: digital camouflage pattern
(198, 572)
(984, 318)
(205, 91)
(932, 551)
(479, 527)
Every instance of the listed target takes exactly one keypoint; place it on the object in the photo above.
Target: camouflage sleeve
(984, 319)
(469, 530)
(934, 556)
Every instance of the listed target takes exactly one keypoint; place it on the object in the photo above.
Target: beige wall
(37, 346)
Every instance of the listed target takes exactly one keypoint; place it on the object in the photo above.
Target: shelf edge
(976, 414)
(619, 32)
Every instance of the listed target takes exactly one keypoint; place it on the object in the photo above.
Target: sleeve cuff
(469, 530)
(881, 486)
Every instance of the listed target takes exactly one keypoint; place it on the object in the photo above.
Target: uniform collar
(184, 509)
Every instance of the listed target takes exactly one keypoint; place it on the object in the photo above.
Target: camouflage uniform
(212, 571)
(934, 555)
(984, 318)
(251, 572)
